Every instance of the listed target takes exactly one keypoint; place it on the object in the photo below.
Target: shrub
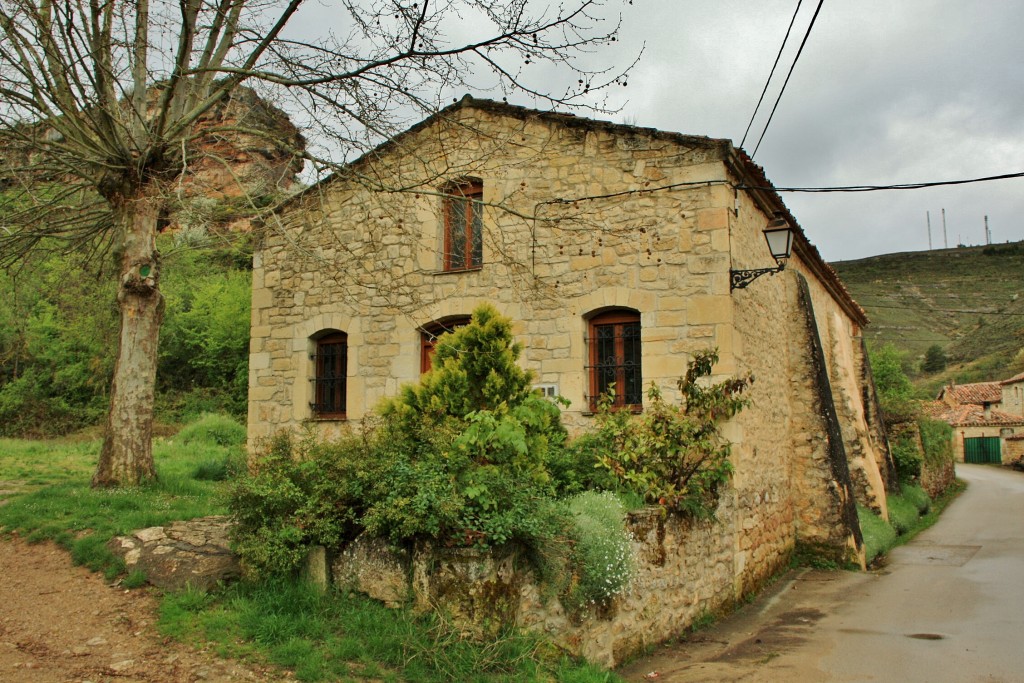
(602, 556)
(906, 457)
(903, 514)
(468, 446)
(879, 536)
(213, 430)
(300, 494)
(936, 440)
(917, 497)
(674, 456)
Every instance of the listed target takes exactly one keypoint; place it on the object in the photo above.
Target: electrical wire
(786, 82)
(925, 309)
(877, 188)
(772, 74)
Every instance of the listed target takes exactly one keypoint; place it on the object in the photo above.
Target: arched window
(330, 371)
(613, 348)
(431, 331)
(463, 225)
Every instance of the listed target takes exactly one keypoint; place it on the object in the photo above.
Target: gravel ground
(60, 623)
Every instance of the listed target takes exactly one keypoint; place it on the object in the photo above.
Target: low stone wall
(196, 552)
(683, 570)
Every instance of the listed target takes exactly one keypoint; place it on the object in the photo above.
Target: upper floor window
(613, 347)
(429, 334)
(330, 378)
(463, 225)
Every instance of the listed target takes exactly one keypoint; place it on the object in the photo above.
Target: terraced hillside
(969, 300)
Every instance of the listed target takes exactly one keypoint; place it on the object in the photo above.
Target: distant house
(616, 252)
(987, 419)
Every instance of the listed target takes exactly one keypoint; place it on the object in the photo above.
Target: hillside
(967, 300)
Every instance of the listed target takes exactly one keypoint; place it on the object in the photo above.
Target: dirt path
(61, 623)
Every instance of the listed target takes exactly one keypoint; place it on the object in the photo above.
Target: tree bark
(126, 458)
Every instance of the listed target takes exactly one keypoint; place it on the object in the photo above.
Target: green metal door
(982, 449)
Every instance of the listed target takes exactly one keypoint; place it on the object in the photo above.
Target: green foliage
(937, 441)
(673, 456)
(336, 637)
(57, 502)
(879, 536)
(468, 446)
(213, 430)
(906, 456)
(204, 341)
(903, 514)
(917, 497)
(602, 557)
(59, 328)
(300, 494)
(895, 392)
(934, 359)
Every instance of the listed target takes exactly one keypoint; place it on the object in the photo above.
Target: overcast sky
(884, 92)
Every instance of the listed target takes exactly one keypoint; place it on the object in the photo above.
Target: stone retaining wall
(684, 569)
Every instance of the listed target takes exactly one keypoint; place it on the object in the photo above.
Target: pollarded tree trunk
(127, 455)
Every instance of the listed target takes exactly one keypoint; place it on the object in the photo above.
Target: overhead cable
(877, 188)
(786, 82)
(772, 74)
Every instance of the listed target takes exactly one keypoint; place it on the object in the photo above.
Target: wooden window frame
(619, 320)
(330, 382)
(431, 331)
(465, 230)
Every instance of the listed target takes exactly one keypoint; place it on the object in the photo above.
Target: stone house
(987, 419)
(612, 247)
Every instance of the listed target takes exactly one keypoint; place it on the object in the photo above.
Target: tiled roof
(1014, 379)
(978, 393)
(971, 416)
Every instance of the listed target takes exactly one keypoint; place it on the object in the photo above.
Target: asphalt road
(949, 606)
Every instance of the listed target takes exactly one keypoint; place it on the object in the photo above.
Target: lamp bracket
(739, 279)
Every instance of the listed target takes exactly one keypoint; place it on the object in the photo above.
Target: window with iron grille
(330, 365)
(614, 358)
(429, 334)
(463, 226)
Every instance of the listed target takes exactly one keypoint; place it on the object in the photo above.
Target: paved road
(947, 607)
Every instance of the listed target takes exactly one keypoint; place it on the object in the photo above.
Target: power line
(772, 74)
(925, 309)
(786, 82)
(877, 188)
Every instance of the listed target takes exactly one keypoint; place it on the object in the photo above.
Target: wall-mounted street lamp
(779, 235)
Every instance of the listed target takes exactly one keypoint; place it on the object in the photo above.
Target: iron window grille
(330, 363)
(463, 226)
(615, 360)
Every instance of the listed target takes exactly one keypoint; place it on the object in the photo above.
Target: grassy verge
(335, 637)
(318, 637)
(910, 513)
(58, 504)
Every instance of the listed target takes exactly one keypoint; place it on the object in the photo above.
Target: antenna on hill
(988, 233)
(928, 217)
(945, 238)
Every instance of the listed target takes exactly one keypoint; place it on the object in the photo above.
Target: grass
(910, 513)
(332, 636)
(58, 504)
(316, 636)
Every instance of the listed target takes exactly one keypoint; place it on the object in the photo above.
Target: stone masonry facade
(581, 217)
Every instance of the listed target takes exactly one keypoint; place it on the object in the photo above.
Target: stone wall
(684, 569)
